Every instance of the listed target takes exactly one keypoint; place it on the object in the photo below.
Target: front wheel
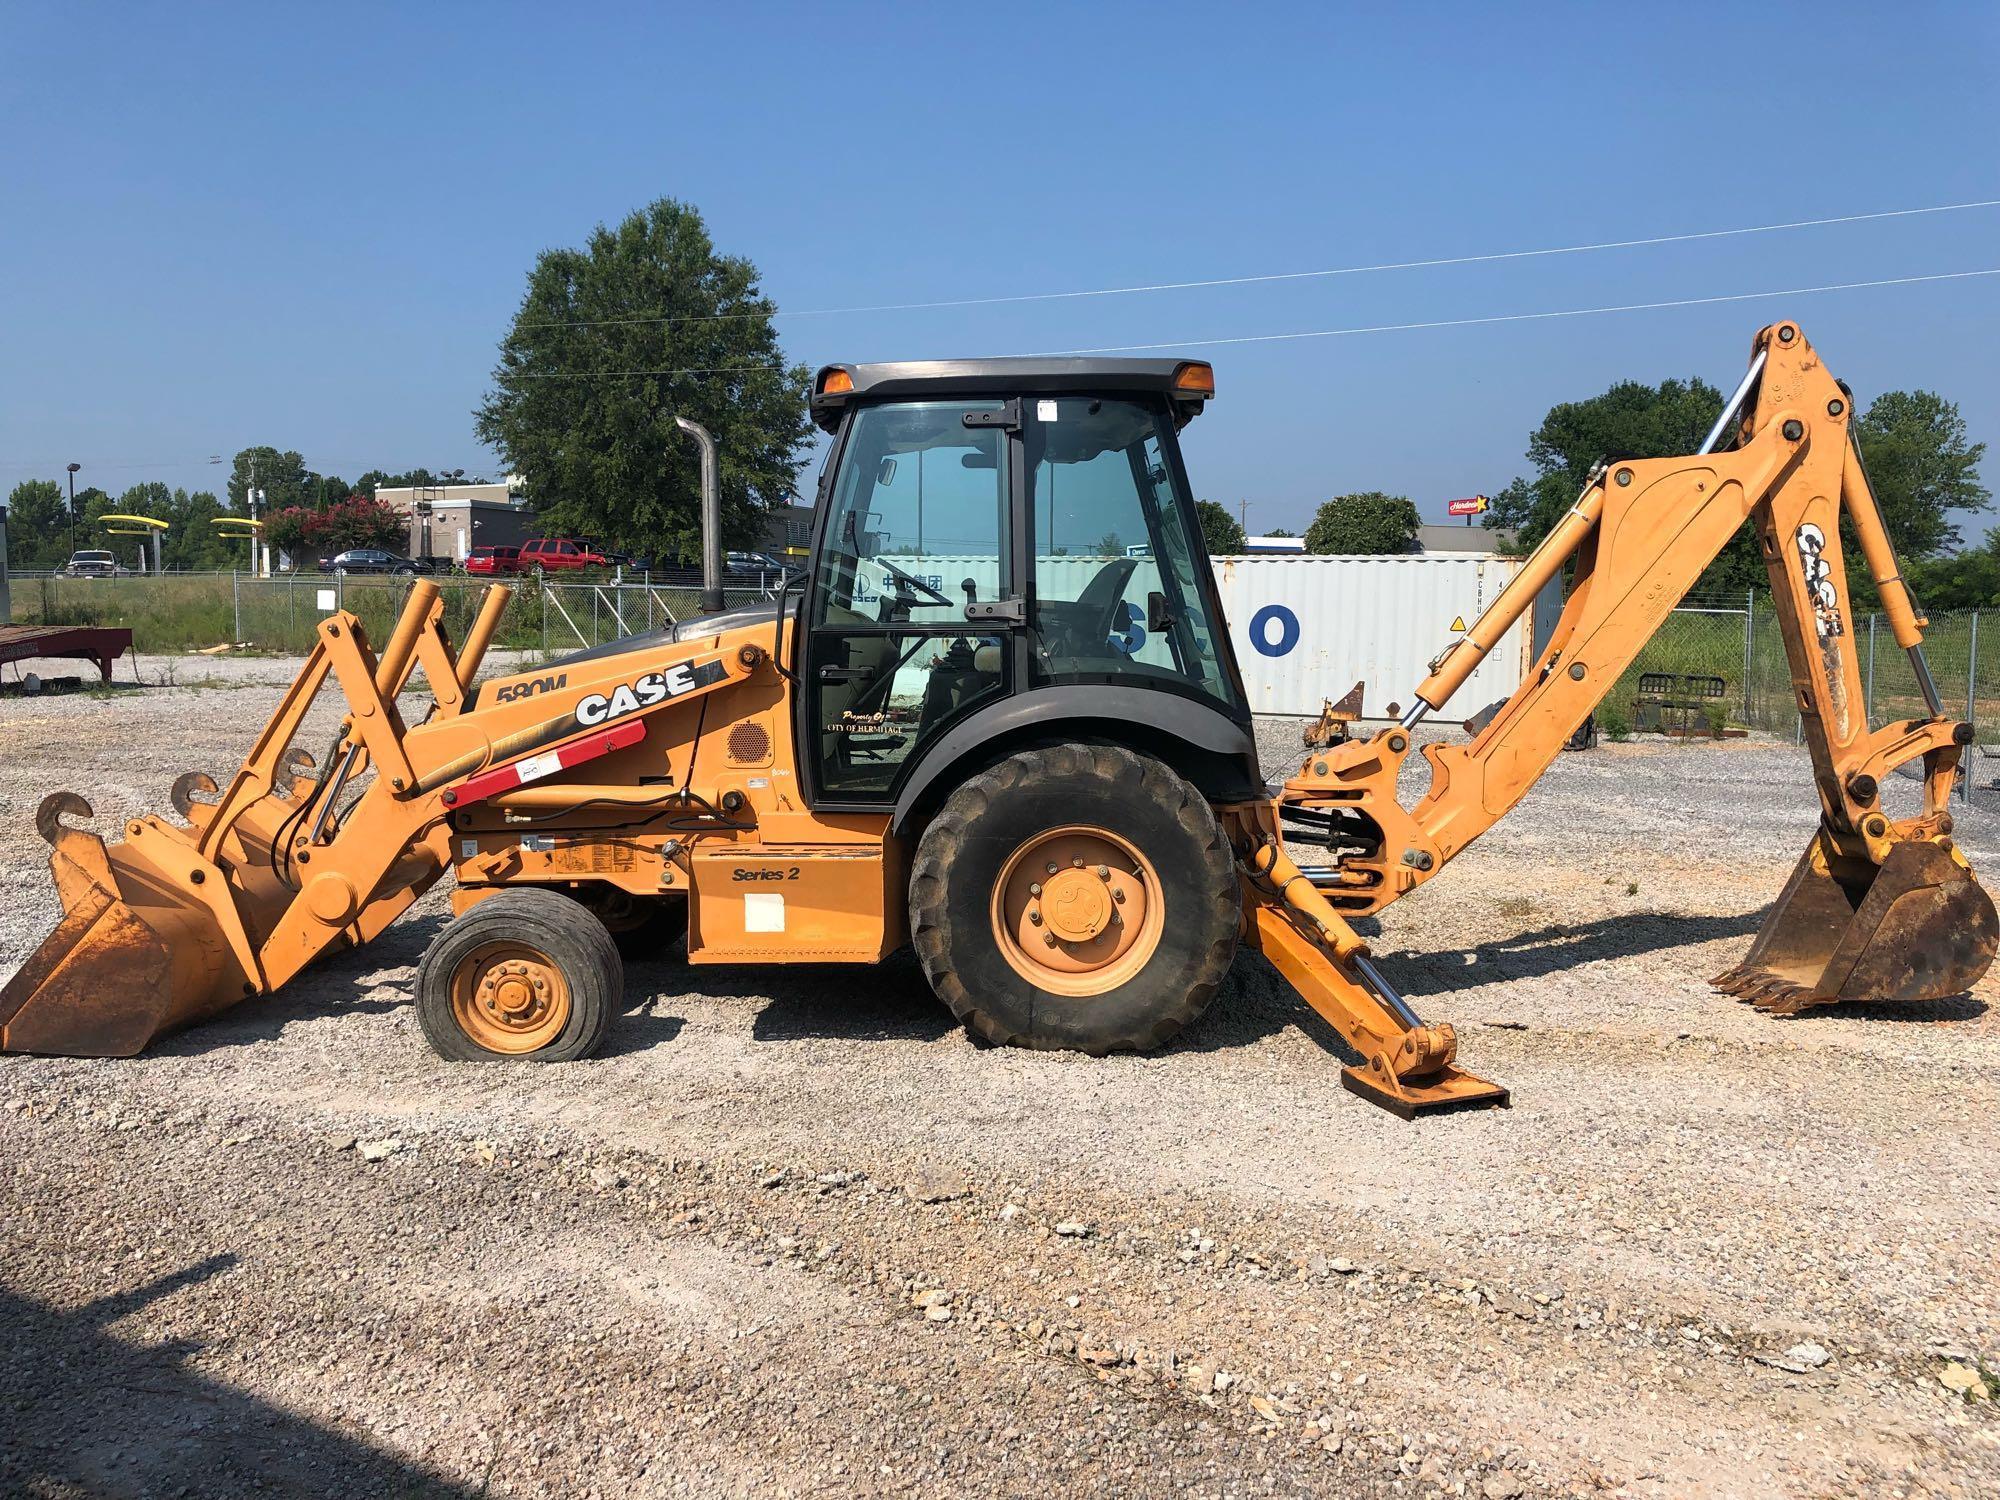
(519, 976)
(1078, 897)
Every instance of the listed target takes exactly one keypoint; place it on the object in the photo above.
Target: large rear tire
(519, 976)
(1079, 897)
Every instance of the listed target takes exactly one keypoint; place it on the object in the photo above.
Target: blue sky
(237, 224)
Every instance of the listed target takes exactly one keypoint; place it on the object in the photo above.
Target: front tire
(518, 976)
(1079, 897)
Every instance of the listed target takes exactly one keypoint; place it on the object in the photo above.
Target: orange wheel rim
(1078, 910)
(509, 997)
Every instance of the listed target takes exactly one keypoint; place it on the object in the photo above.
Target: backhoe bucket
(1918, 927)
(152, 938)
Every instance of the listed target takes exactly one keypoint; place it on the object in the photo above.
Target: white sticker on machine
(1045, 411)
(535, 767)
(763, 912)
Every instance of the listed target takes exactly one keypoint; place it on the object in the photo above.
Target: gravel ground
(795, 1233)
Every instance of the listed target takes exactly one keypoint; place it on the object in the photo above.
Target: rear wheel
(1080, 897)
(519, 976)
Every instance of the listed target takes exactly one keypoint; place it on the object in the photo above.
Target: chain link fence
(1736, 639)
(182, 611)
(1739, 641)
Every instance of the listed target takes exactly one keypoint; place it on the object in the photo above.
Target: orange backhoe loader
(999, 720)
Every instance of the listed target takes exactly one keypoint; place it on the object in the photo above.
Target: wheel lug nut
(1053, 867)
(1049, 939)
(1076, 863)
(1104, 872)
(1035, 888)
(1034, 919)
(1117, 895)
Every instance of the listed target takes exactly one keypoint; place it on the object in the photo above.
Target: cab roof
(942, 379)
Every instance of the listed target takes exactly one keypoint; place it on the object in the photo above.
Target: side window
(916, 529)
(1117, 591)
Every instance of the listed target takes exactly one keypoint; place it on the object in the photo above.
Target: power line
(1328, 333)
(613, 374)
(1273, 276)
(1568, 312)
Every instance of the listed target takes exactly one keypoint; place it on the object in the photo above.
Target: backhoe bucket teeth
(1921, 928)
(144, 946)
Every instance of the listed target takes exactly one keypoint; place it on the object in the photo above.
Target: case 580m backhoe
(999, 720)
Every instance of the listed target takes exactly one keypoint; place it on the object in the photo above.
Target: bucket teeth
(1771, 993)
(1916, 928)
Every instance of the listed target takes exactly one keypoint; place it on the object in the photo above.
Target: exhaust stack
(711, 518)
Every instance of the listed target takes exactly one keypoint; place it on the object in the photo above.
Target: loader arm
(1878, 908)
(175, 923)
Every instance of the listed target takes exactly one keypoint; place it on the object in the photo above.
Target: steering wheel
(1101, 597)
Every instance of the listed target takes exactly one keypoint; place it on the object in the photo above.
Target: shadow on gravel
(889, 1002)
(83, 1411)
(1952, 1008)
(339, 985)
(1550, 950)
(1257, 1002)
(638, 1029)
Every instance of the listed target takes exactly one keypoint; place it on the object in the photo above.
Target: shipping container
(1308, 628)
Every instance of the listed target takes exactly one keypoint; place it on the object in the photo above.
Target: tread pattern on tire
(535, 914)
(1119, 770)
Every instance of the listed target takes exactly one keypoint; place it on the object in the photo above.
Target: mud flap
(1921, 929)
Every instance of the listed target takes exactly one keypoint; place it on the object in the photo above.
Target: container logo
(1278, 620)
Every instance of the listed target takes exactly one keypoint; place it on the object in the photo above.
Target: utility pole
(72, 508)
(1243, 515)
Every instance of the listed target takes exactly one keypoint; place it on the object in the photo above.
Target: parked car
(560, 554)
(490, 561)
(91, 564)
(373, 560)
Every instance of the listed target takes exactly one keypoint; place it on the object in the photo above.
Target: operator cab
(991, 528)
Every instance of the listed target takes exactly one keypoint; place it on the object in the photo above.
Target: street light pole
(72, 508)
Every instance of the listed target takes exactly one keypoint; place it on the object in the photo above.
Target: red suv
(556, 554)
(492, 560)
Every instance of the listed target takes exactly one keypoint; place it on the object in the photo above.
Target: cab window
(1118, 594)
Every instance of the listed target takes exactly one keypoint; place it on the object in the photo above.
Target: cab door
(913, 595)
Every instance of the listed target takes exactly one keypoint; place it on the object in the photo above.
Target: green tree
(189, 544)
(382, 479)
(1631, 420)
(1966, 580)
(1222, 532)
(1919, 462)
(645, 323)
(1368, 522)
(282, 476)
(1921, 468)
(1280, 531)
(37, 525)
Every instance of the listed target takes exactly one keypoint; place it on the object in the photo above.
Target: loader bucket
(149, 940)
(1918, 927)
